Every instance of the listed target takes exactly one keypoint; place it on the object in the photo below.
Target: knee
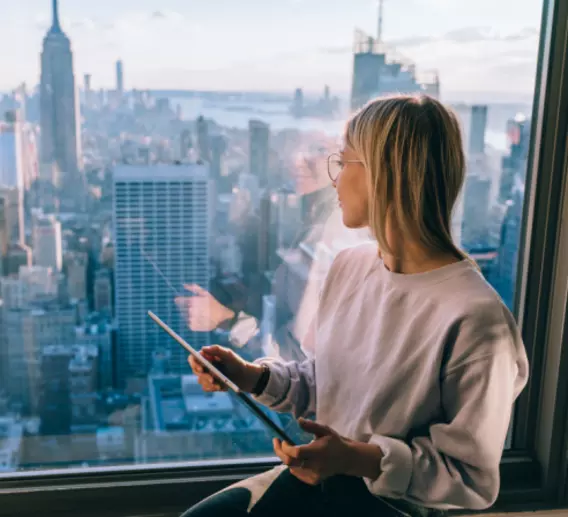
(197, 511)
(233, 502)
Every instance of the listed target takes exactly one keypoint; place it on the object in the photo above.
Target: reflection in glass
(222, 181)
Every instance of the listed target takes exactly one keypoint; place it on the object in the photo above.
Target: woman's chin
(352, 222)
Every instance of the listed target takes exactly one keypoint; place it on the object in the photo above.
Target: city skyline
(158, 44)
(226, 195)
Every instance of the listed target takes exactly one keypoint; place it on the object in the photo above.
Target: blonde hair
(411, 147)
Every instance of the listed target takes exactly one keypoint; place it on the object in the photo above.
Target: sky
(485, 48)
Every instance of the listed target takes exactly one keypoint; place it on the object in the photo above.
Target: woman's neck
(410, 261)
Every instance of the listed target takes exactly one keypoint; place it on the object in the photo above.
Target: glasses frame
(339, 158)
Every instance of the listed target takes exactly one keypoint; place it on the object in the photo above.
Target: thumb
(196, 289)
(318, 430)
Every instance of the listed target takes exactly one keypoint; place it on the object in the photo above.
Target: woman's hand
(329, 454)
(244, 374)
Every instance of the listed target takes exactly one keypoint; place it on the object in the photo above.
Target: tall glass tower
(162, 222)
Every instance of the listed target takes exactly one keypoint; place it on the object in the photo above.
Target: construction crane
(380, 22)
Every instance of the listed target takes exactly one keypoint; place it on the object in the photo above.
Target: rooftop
(160, 172)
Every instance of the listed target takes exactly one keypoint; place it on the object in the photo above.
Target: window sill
(147, 491)
(169, 490)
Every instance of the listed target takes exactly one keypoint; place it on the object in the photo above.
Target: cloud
(335, 50)
(462, 36)
(167, 16)
(42, 24)
(469, 35)
(526, 33)
(84, 24)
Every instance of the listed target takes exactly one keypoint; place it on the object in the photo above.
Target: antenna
(55, 13)
(380, 24)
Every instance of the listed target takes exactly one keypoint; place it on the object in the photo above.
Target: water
(236, 114)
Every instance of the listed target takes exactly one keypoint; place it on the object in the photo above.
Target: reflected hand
(203, 311)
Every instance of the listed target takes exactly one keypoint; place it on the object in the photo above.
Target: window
(193, 150)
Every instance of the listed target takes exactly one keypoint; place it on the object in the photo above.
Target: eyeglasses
(336, 164)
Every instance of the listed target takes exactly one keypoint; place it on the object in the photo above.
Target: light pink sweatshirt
(426, 366)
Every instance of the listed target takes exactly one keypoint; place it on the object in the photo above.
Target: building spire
(55, 26)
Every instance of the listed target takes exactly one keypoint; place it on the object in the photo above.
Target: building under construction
(377, 70)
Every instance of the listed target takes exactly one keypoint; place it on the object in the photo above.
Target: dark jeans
(279, 494)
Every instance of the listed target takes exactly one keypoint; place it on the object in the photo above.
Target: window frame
(534, 473)
(539, 430)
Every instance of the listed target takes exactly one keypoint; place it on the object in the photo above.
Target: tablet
(225, 381)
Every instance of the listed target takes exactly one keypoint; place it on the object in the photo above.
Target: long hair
(411, 148)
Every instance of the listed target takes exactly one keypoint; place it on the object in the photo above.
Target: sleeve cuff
(278, 384)
(396, 468)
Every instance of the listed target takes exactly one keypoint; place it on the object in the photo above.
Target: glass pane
(147, 146)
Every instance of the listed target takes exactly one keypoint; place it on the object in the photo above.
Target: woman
(417, 361)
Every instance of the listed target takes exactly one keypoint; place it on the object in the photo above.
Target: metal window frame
(539, 432)
(534, 473)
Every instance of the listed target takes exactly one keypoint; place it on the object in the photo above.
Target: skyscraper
(103, 290)
(203, 145)
(47, 245)
(28, 332)
(514, 164)
(218, 167)
(11, 152)
(476, 204)
(506, 272)
(161, 220)
(76, 264)
(268, 232)
(17, 255)
(119, 77)
(259, 150)
(59, 113)
(185, 144)
(477, 130)
(14, 212)
(4, 236)
(88, 92)
(375, 73)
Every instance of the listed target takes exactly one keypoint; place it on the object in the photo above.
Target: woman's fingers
(209, 383)
(285, 458)
(278, 450)
(195, 366)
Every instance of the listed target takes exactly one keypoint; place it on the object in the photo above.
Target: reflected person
(205, 313)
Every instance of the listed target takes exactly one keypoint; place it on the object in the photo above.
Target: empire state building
(60, 140)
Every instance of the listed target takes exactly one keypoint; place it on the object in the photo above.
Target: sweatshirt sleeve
(291, 386)
(456, 465)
